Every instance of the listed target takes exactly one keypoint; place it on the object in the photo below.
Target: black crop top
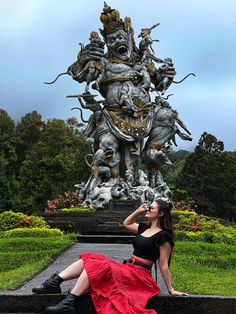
(148, 247)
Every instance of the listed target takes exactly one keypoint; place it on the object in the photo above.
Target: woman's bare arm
(165, 251)
(129, 223)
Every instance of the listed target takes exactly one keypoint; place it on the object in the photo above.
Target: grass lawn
(204, 268)
(20, 258)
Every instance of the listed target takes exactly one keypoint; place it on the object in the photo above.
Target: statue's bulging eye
(111, 40)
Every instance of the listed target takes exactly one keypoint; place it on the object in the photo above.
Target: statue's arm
(86, 56)
(74, 70)
(158, 76)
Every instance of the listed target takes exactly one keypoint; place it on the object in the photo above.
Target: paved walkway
(118, 252)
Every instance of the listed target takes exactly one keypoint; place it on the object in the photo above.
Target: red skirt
(118, 288)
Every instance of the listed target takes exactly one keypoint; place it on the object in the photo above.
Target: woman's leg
(72, 271)
(52, 284)
(81, 285)
(68, 305)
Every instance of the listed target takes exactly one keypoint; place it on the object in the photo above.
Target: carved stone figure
(132, 133)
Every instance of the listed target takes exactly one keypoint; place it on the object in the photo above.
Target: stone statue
(131, 133)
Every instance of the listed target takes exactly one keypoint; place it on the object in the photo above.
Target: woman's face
(152, 213)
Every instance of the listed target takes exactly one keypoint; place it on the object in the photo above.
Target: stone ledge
(195, 304)
(100, 222)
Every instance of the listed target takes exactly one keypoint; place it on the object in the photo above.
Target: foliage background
(40, 160)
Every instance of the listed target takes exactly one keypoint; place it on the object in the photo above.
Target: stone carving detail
(131, 133)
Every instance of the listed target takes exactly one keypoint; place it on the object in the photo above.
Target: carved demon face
(119, 44)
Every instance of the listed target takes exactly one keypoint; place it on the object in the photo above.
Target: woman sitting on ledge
(121, 288)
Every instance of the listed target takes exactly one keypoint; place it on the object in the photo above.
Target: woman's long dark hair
(165, 219)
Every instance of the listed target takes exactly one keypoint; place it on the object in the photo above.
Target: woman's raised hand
(143, 208)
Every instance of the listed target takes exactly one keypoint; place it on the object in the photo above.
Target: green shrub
(8, 245)
(195, 236)
(189, 223)
(187, 204)
(202, 236)
(183, 213)
(214, 225)
(180, 235)
(189, 236)
(192, 222)
(32, 222)
(209, 237)
(76, 210)
(32, 232)
(9, 220)
(218, 237)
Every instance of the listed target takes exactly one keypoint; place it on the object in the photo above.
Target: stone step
(109, 222)
(195, 304)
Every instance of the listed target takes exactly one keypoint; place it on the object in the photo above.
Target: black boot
(51, 285)
(66, 306)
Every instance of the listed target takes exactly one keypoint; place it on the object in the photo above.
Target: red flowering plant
(188, 204)
(32, 222)
(66, 200)
(24, 222)
(191, 223)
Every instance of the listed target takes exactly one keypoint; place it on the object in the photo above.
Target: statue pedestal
(123, 205)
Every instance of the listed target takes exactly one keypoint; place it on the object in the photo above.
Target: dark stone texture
(195, 304)
(123, 205)
(100, 222)
(162, 304)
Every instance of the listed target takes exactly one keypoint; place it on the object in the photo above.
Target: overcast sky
(40, 38)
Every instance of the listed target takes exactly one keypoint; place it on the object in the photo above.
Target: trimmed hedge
(32, 222)
(12, 220)
(32, 232)
(212, 230)
(210, 237)
(76, 210)
(183, 212)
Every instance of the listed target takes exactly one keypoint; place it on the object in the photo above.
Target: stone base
(123, 205)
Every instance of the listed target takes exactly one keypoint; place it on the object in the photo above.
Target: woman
(121, 288)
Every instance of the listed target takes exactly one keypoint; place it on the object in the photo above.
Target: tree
(8, 181)
(54, 164)
(176, 156)
(171, 172)
(208, 175)
(75, 127)
(171, 176)
(228, 194)
(28, 132)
